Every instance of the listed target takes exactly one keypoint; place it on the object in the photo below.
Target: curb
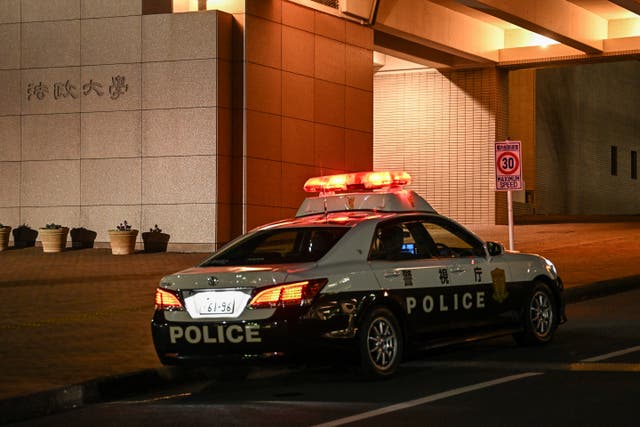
(97, 390)
(600, 289)
(104, 389)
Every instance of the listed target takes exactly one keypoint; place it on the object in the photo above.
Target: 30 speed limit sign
(508, 166)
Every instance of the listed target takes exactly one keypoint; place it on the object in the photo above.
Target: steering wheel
(444, 250)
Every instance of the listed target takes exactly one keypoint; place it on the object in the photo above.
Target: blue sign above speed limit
(508, 166)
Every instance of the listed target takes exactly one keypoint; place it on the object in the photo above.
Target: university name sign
(61, 90)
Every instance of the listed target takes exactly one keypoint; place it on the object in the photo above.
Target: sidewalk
(83, 314)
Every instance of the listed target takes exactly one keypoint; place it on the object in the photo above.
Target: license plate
(212, 304)
(217, 304)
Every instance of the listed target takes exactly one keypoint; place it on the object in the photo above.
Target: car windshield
(279, 246)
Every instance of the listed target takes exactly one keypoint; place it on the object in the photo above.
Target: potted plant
(53, 237)
(24, 236)
(155, 240)
(123, 239)
(4, 236)
(82, 238)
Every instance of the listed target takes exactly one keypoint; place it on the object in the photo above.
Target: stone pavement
(70, 317)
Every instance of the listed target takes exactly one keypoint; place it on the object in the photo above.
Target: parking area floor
(81, 314)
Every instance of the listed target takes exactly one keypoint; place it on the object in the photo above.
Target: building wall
(308, 97)
(581, 111)
(441, 127)
(110, 115)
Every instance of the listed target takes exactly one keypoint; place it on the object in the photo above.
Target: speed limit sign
(508, 166)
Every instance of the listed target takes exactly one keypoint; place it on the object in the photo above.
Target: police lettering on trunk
(204, 334)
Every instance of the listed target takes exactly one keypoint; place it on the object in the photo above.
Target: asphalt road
(588, 376)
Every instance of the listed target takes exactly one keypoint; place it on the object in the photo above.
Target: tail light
(167, 300)
(287, 295)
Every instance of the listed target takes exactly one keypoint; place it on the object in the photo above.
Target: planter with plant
(53, 237)
(123, 239)
(82, 238)
(155, 240)
(24, 236)
(5, 231)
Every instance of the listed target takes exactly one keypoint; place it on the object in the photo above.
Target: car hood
(232, 276)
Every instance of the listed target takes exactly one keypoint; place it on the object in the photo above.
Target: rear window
(280, 246)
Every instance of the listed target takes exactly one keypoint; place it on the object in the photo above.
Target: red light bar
(357, 181)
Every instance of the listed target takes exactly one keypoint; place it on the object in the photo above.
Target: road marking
(612, 355)
(583, 365)
(150, 400)
(537, 366)
(427, 399)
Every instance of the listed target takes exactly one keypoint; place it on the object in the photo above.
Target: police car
(365, 266)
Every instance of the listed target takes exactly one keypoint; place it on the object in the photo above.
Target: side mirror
(495, 248)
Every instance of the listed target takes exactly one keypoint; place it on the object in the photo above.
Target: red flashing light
(166, 300)
(357, 181)
(290, 294)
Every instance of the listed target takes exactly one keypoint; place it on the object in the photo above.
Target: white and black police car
(367, 267)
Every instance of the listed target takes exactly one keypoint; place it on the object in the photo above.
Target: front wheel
(540, 317)
(380, 344)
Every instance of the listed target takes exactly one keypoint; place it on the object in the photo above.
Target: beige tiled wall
(180, 132)
(159, 150)
(102, 9)
(88, 156)
(51, 136)
(50, 183)
(9, 138)
(10, 188)
(10, 46)
(10, 92)
(50, 44)
(111, 40)
(50, 10)
(110, 134)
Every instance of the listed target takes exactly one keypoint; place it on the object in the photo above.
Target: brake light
(357, 181)
(167, 300)
(290, 294)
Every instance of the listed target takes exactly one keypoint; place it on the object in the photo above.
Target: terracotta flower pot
(123, 242)
(53, 239)
(4, 237)
(155, 241)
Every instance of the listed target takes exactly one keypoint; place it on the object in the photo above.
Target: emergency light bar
(357, 181)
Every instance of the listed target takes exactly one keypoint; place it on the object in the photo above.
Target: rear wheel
(380, 344)
(540, 317)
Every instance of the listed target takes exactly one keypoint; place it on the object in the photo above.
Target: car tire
(539, 317)
(380, 344)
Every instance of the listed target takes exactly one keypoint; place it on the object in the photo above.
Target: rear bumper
(208, 342)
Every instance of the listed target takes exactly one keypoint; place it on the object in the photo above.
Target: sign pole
(510, 213)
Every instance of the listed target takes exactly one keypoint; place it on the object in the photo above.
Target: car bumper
(203, 342)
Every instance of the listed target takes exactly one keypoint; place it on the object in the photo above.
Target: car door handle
(391, 274)
(457, 269)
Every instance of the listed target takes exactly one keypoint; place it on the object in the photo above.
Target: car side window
(451, 242)
(397, 241)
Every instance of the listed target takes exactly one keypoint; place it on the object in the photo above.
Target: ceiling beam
(632, 5)
(559, 20)
(439, 29)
